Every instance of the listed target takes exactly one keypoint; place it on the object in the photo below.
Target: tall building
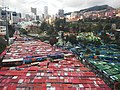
(19, 14)
(34, 11)
(37, 18)
(43, 16)
(15, 17)
(11, 16)
(0, 12)
(27, 17)
(45, 11)
(61, 13)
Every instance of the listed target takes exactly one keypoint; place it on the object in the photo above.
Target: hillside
(98, 8)
(94, 8)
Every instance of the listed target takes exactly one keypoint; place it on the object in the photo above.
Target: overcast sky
(53, 5)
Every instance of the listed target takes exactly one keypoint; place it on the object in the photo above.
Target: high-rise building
(27, 17)
(11, 16)
(37, 18)
(0, 12)
(34, 11)
(19, 14)
(61, 13)
(14, 18)
(45, 11)
(43, 16)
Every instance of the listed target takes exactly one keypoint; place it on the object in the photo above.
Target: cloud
(54, 5)
(115, 3)
(73, 5)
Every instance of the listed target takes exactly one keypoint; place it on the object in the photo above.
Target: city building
(45, 11)
(118, 12)
(32, 28)
(11, 16)
(2, 28)
(51, 20)
(61, 13)
(28, 17)
(43, 16)
(34, 11)
(37, 18)
(19, 14)
(101, 14)
(0, 12)
(14, 17)
(109, 14)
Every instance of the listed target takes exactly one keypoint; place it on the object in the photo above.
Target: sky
(24, 6)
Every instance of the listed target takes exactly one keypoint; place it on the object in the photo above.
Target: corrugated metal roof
(65, 74)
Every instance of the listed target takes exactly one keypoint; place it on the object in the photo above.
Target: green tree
(44, 26)
(63, 23)
(105, 37)
(60, 24)
(3, 44)
(11, 30)
(38, 22)
(57, 24)
(53, 40)
(72, 39)
(23, 31)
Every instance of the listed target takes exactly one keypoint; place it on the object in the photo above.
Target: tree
(44, 26)
(11, 30)
(23, 31)
(72, 39)
(60, 24)
(105, 37)
(53, 40)
(38, 22)
(97, 27)
(107, 27)
(63, 23)
(57, 24)
(100, 26)
(3, 44)
(88, 51)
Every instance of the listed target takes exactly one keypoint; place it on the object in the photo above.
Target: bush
(23, 31)
(3, 45)
(72, 39)
(43, 38)
(89, 38)
(53, 40)
(11, 30)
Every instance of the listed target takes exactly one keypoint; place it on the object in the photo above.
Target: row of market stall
(104, 60)
(107, 63)
(40, 66)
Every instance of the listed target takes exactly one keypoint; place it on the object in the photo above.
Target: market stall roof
(12, 60)
(118, 30)
(66, 73)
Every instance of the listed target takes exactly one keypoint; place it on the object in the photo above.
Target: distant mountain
(68, 13)
(94, 8)
(98, 8)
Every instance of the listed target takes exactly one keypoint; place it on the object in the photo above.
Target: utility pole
(6, 23)
(7, 31)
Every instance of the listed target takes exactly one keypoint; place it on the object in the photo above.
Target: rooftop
(46, 68)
